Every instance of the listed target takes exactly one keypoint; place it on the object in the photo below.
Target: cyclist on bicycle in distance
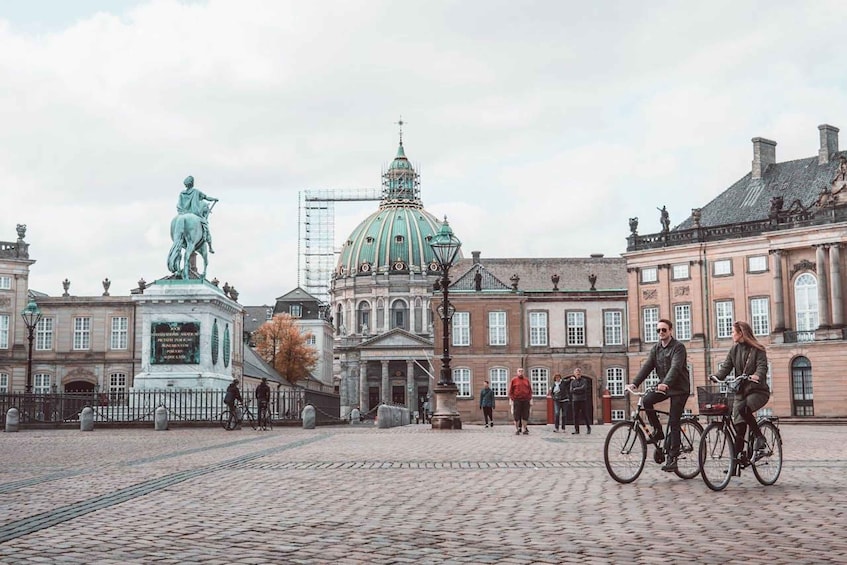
(747, 356)
(232, 394)
(263, 398)
(669, 359)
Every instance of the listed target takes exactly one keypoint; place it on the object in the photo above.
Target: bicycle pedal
(658, 457)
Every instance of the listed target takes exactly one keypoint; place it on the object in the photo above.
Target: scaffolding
(316, 245)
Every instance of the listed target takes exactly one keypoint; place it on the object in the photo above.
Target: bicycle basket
(712, 402)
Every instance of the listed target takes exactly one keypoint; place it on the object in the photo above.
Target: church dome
(396, 237)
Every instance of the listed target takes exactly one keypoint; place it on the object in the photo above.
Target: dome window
(399, 265)
(365, 268)
(398, 239)
(428, 238)
(433, 267)
(369, 239)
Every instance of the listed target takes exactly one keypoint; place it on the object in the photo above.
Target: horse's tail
(175, 254)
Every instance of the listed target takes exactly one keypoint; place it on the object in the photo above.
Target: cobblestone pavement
(402, 495)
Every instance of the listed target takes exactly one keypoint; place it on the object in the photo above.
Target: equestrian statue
(190, 230)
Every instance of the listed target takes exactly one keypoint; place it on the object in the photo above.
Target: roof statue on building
(190, 229)
(664, 219)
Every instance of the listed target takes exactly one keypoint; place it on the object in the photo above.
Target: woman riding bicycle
(747, 356)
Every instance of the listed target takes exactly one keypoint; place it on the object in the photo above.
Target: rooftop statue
(190, 229)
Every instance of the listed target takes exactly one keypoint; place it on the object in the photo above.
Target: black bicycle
(717, 459)
(231, 419)
(625, 449)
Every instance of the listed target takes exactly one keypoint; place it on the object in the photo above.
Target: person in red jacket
(520, 393)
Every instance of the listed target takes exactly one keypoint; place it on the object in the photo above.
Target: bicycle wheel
(625, 451)
(226, 418)
(248, 415)
(716, 457)
(768, 467)
(688, 462)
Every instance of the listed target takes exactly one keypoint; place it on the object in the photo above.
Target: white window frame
(618, 415)
(682, 321)
(295, 310)
(497, 328)
(722, 267)
(462, 380)
(4, 383)
(119, 338)
(44, 335)
(5, 283)
(757, 264)
(41, 383)
(498, 378)
(651, 380)
(760, 319)
(117, 388)
(539, 379)
(680, 271)
(806, 302)
(615, 381)
(82, 333)
(4, 331)
(538, 328)
(649, 319)
(461, 330)
(613, 327)
(649, 275)
(724, 317)
(575, 324)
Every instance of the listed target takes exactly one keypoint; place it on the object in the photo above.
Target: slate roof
(749, 199)
(535, 273)
(255, 316)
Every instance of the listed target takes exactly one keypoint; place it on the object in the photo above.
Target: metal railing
(187, 406)
(791, 336)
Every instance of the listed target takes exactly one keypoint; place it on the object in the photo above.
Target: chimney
(829, 143)
(764, 154)
(475, 255)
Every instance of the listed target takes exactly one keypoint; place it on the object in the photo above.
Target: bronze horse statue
(189, 237)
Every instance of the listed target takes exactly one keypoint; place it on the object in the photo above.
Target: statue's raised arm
(190, 229)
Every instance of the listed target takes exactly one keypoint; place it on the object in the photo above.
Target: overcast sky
(538, 128)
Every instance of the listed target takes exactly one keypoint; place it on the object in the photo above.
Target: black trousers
(488, 413)
(580, 411)
(674, 414)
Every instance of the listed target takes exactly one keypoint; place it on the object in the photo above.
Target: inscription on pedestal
(175, 343)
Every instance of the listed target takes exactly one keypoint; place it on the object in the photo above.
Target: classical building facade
(547, 316)
(767, 250)
(380, 296)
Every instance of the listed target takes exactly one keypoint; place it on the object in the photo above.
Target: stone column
(823, 288)
(386, 389)
(835, 285)
(778, 297)
(411, 396)
(362, 373)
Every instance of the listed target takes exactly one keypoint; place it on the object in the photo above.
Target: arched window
(400, 315)
(801, 387)
(363, 325)
(806, 302)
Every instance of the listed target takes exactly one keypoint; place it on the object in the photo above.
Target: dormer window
(369, 239)
(269, 313)
(296, 310)
(398, 239)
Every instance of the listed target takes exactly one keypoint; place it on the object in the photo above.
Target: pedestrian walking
(486, 402)
(520, 394)
(560, 393)
(579, 401)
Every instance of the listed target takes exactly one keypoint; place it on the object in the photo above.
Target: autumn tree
(280, 343)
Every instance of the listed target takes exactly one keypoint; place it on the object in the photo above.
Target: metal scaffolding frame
(316, 241)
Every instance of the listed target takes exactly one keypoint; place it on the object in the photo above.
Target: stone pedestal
(446, 415)
(191, 336)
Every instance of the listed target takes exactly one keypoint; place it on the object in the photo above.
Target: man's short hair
(666, 321)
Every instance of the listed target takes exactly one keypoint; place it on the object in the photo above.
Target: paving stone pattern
(400, 495)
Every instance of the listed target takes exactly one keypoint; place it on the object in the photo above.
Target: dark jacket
(564, 392)
(486, 397)
(579, 389)
(232, 393)
(671, 365)
(746, 360)
(263, 392)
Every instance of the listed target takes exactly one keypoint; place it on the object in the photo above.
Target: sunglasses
(662, 330)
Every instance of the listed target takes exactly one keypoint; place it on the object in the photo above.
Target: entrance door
(398, 395)
(373, 399)
(801, 387)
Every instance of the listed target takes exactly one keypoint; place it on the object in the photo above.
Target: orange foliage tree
(280, 343)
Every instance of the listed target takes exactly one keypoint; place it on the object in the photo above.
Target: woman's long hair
(747, 335)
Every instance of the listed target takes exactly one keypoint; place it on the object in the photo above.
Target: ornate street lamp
(31, 315)
(445, 247)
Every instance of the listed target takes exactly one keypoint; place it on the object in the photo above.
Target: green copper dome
(396, 237)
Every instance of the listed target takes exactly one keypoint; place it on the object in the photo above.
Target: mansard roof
(536, 273)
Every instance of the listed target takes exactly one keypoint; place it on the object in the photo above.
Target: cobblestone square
(402, 495)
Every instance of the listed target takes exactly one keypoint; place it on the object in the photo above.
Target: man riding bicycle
(669, 359)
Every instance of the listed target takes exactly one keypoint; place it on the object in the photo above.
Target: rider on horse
(191, 201)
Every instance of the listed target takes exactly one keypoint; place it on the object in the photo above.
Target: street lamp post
(445, 247)
(31, 315)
